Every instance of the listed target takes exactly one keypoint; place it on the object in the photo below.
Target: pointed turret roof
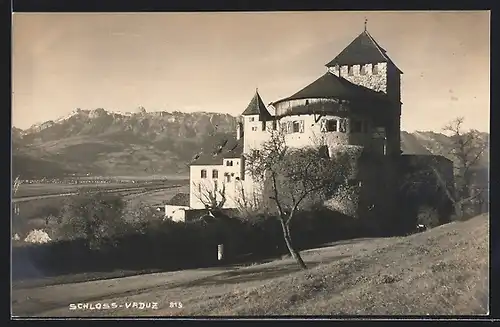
(362, 50)
(257, 107)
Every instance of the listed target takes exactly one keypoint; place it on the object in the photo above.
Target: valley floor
(443, 271)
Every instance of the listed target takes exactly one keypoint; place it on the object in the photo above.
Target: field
(443, 271)
(32, 213)
(26, 190)
(154, 196)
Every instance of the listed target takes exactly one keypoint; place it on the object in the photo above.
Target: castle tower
(255, 118)
(364, 62)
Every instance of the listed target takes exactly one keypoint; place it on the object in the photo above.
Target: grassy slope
(442, 271)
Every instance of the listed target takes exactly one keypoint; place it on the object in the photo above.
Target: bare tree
(295, 179)
(211, 196)
(466, 149)
(248, 201)
(15, 187)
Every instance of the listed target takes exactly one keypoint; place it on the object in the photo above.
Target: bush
(428, 216)
(96, 217)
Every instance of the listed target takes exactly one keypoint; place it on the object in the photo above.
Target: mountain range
(105, 143)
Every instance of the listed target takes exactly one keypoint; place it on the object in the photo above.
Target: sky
(215, 61)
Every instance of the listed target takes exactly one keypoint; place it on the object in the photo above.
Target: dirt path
(35, 301)
(55, 299)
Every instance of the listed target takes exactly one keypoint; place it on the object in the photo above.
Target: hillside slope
(144, 143)
(443, 271)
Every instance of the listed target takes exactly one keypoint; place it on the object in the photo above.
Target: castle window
(229, 163)
(215, 174)
(351, 70)
(307, 102)
(251, 119)
(298, 126)
(363, 70)
(228, 178)
(375, 69)
(216, 184)
(263, 125)
(331, 125)
(275, 125)
(254, 128)
(203, 173)
(356, 126)
(343, 125)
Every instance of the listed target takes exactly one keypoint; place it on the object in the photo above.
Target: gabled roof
(180, 199)
(227, 149)
(362, 50)
(257, 107)
(331, 86)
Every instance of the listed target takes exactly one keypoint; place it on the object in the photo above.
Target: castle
(356, 103)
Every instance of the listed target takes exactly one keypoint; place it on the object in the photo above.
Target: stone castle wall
(373, 77)
(370, 191)
(376, 193)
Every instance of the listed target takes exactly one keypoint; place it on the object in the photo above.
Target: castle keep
(355, 105)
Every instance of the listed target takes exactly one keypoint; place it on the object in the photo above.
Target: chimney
(239, 131)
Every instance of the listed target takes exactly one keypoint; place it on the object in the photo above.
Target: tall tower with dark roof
(254, 126)
(364, 62)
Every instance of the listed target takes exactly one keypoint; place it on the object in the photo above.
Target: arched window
(215, 174)
(203, 173)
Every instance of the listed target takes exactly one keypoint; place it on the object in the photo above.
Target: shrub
(96, 217)
(141, 213)
(428, 216)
